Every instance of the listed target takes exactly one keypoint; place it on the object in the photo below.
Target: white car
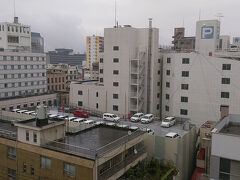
(168, 121)
(79, 120)
(136, 117)
(147, 118)
(110, 117)
(150, 131)
(15, 110)
(172, 135)
(89, 122)
(70, 118)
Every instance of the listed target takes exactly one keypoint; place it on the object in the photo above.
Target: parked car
(99, 123)
(79, 120)
(21, 111)
(147, 118)
(15, 110)
(110, 117)
(136, 117)
(89, 122)
(70, 118)
(172, 135)
(80, 113)
(168, 122)
(134, 128)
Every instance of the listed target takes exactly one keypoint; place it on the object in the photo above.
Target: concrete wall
(205, 86)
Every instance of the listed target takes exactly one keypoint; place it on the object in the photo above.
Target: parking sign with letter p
(207, 32)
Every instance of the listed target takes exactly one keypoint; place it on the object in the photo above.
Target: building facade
(15, 36)
(94, 46)
(22, 73)
(65, 56)
(225, 156)
(37, 42)
(198, 84)
(129, 74)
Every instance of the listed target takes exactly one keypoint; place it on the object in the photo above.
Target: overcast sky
(66, 23)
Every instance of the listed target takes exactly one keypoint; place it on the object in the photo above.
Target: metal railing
(91, 153)
(113, 170)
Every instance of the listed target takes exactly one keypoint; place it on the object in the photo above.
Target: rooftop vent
(42, 118)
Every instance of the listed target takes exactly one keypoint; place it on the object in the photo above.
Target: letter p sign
(207, 32)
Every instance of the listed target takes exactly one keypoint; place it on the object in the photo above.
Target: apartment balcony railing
(123, 164)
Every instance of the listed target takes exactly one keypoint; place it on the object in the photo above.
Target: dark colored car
(80, 113)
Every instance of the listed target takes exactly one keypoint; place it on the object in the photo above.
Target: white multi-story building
(15, 36)
(22, 73)
(198, 83)
(129, 74)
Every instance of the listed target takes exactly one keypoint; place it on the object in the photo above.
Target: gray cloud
(66, 23)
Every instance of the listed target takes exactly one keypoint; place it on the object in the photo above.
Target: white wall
(205, 86)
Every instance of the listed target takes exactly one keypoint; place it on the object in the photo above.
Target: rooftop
(36, 123)
(229, 125)
(94, 142)
(8, 130)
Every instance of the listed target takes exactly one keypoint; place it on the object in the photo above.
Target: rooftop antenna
(199, 15)
(115, 13)
(14, 8)
(219, 16)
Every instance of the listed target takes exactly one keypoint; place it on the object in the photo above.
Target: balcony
(119, 169)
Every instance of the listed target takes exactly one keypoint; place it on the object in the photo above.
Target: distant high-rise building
(37, 42)
(65, 56)
(95, 45)
(15, 36)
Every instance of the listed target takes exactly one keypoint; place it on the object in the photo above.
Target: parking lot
(155, 125)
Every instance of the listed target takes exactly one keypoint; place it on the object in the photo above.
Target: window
(225, 80)
(115, 96)
(226, 67)
(69, 170)
(224, 169)
(167, 96)
(185, 60)
(184, 86)
(19, 75)
(158, 83)
(168, 84)
(159, 60)
(96, 94)
(35, 136)
(168, 60)
(115, 84)
(19, 66)
(12, 58)
(101, 71)
(158, 106)
(158, 95)
(11, 152)
(101, 80)
(115, 48)
(183, 111)
(225, 95)
(168, 72)
(80, 103)
(6, 94)
(185, 73)
(115, 108)
(32, 170)
(5, 67)
(115, 71)
(5, 85)
(158, 72)
(31, 67)
(25, 66)
(25, 58)
(45, 162)
(27, 135)
(184, 99)
(24, 167)
(12, 174)
(80, 93)
(115, 60)
(96, 105)
(31, 58)
(101, 60)
(167, 108)
(12, 66)
(4, 58)
(12, 76)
